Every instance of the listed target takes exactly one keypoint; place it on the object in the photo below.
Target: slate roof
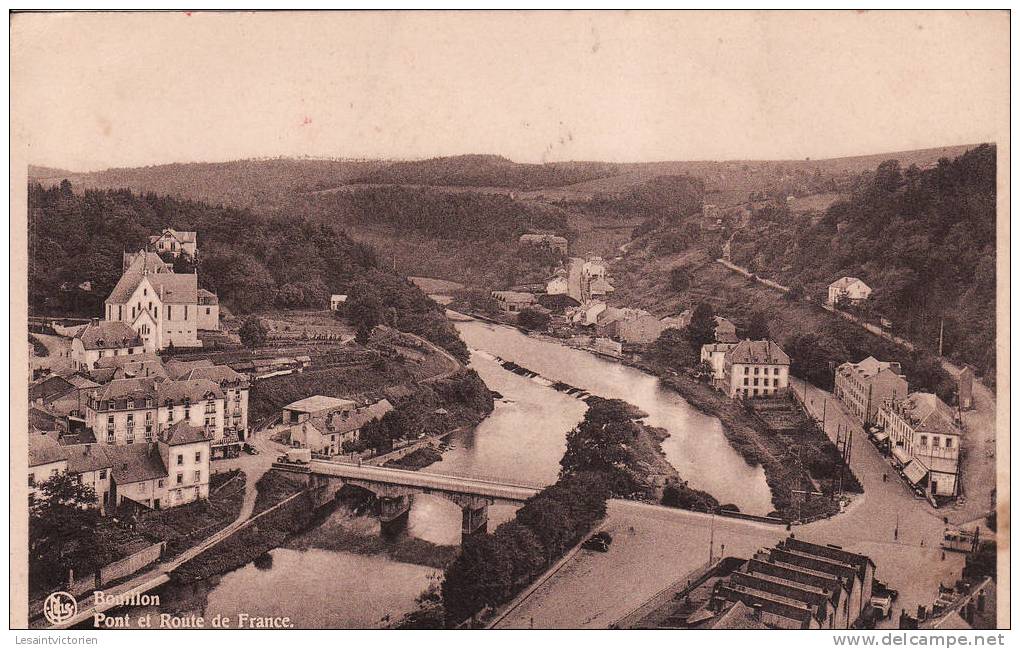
(758, 352)
(217, 374)
(184, 236)
(171, 288)
(135, 463)
(207, 297)
(928, 414)
(176, 369)
(49, 388)
(82, 382)
(82, 458)
(43, 449)
(103, 334)
(118, 389)
(194, 389)
(335, 422)
(319, 403)
(120, 361)
(845, 282)
(870, 366)
(184, 433)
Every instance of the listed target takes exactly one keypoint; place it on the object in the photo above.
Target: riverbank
(791, 465)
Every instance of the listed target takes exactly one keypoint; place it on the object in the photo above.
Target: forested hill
(252, 261)
(924, 240)
(488, 171)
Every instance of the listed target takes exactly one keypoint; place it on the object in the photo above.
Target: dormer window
(111, 404)
(131, 404)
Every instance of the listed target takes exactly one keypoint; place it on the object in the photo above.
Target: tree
(758, 326)
(253, 333)
(679, 279)
(533, 319)
(62, 533)
(701, 330)
(673, 349)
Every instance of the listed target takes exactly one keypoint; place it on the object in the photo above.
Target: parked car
(249, 449)
(881, 589)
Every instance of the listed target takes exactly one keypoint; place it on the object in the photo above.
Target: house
(588, 314)
(142, 365)
(715, 355)
(599, 287)
(850, 288)
(129, 411)
(175, 242)
(305, 409)
(794, 585)
(593, 281)
(925, 437)
(556, 243)
(558, 302)
(185, 451)
(863, 387)
(679, 321)
(606, 320)
(162, 306)
(326, 432)
(638, 327)
(336, 301)
(513, 301)
(558, 285)
(725, 331)
(100, 339)
(54, 392)
(45, 460)
(235, 389)
(755, 368)
(93, 466)
(208, 311)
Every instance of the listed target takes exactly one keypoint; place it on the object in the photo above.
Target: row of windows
(765, 381)
(765, 370)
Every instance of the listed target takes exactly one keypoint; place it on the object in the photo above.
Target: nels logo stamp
(60, 607)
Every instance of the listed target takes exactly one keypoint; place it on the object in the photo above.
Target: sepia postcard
(465, 320)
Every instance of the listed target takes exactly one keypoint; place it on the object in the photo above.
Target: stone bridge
(395, 490)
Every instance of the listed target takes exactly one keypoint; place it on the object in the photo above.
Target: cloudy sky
(92, 91)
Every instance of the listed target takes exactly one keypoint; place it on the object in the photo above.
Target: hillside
(487, 171)
(249, 260)
(924, 240)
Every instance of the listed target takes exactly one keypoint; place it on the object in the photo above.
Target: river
(522, 440)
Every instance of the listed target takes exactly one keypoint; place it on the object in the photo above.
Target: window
(198, 456)
(109, 436)
(207, 310)
(187, 412)
(747, 370)
(102, 474)
(935, 441)
(112, 405)
(170, 414)
(198, 476)
(756, 382)
(924, 440)
(180, 478)
(145, 291)
(160, 483)
(185, 311)
(31, 479)
(109, 422)
(746, 381)
(756, 371)
(949, 442)
(169, 312)
(180, 459)
(775, 370)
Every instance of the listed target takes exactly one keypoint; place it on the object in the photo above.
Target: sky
(92, 91)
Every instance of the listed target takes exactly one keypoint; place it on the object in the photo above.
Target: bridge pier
(474, 519)
(393, 513)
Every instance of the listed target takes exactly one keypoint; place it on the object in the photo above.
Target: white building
(326, 432)
(850, 288)
(715, 355)
(925, 437)
(162, 306)
(175, 242)
(208, 310)
(863, 387)
(336, 301)
(100, 339)
(755, 368)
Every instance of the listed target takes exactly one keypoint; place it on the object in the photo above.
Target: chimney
(756, 610)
